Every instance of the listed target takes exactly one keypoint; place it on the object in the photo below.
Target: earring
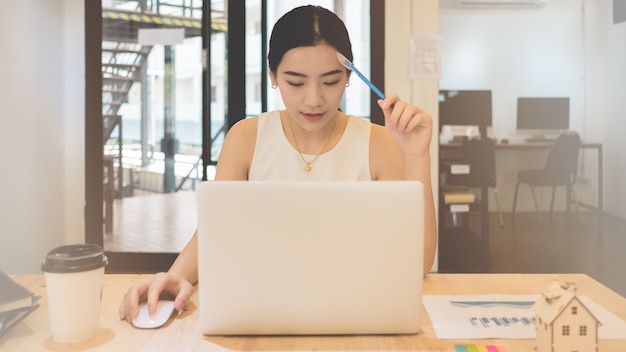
(348, 84)
(274, 85)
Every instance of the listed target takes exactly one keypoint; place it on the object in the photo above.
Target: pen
(345, 62)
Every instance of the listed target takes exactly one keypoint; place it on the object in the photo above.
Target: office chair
(480, 155)
(559, 170)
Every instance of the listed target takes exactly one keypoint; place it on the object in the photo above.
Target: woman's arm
(178, 281)
(402, 151)
(418, 168)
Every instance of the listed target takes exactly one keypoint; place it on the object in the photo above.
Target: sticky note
(480, 348)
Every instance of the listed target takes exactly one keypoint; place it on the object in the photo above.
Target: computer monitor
(542, 118)
(465, 108)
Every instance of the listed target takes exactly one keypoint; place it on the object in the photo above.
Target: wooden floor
(152, 223)
(165, 222)
(553, 248)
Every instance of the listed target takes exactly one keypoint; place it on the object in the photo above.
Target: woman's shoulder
(379, 132)
(242, 134)
(248, 127)
(244, 127)
(385, 156)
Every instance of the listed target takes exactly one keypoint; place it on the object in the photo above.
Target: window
(153, 147)
(257, 92)
(565, 330)
(574, 310)
(582, 330)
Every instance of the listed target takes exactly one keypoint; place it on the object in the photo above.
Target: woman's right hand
(151, 289)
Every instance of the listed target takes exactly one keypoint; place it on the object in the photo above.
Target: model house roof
(554, 300)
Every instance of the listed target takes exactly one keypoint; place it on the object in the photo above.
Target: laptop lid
(281, 258)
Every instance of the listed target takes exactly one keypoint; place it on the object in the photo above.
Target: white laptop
(299, 258)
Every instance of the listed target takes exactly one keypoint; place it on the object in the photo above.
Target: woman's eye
(295, 84)
(331, 83)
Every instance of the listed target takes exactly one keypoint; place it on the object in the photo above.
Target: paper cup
(74, 276)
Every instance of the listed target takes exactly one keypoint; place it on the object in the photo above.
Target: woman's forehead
(310, 60)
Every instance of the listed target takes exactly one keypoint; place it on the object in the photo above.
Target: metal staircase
(123, 58)
(121, 66)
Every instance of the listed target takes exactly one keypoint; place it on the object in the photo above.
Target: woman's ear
(273, 79)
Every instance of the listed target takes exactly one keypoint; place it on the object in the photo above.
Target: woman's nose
(314, 96)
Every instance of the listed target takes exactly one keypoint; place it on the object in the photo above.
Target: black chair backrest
(562, 160)
(480, 155)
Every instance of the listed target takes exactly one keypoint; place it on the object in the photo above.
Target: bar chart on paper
(484, 316)
(488, 322)
(520, 319)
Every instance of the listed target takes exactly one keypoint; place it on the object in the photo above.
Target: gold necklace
(307, 166)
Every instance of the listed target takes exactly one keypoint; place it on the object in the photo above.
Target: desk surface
(182, 333)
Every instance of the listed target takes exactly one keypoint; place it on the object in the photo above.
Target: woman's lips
(313, 117)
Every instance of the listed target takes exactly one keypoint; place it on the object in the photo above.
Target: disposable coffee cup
(74, 275)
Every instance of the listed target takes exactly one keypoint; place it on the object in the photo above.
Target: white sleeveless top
(276, 159)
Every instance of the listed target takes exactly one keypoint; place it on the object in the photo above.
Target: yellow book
(458, 197)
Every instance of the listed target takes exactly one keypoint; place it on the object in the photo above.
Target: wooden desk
(182, 333)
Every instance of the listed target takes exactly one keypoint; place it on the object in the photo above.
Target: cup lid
(74, 258)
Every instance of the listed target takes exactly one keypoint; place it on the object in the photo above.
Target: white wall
(524, 52)
(41, 130)
(74, 103)
(566, 48)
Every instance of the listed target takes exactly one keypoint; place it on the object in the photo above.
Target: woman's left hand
(410, 126)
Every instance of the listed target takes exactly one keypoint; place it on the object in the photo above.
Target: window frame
(150, 262)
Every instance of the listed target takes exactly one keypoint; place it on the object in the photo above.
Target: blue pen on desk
(342, 59)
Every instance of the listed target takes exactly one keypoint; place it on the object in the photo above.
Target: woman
(311, 139)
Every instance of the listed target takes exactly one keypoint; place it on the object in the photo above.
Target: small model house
(563, 323)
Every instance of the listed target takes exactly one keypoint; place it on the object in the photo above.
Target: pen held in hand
(345, 62)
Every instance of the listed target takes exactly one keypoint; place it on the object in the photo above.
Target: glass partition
(165, 92)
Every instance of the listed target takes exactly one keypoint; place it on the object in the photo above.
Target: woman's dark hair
(307, 26)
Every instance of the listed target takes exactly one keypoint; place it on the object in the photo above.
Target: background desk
(183, 334)
(530, 146)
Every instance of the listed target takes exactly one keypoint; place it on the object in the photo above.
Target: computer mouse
(163, 312)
